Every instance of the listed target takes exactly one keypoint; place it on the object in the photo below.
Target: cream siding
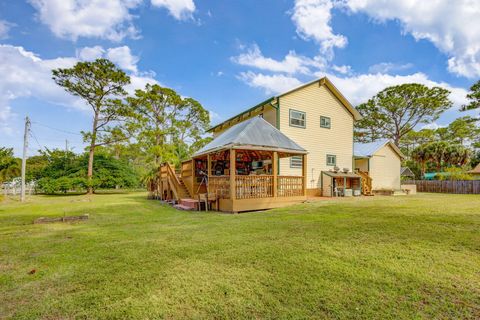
(316, 101)
(269, 114)
(385, 169)
(361, 164)
(327, 186)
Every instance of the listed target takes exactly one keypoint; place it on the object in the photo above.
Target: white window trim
(329, 122)
(300, 159)
(296, 125)
(335, 162)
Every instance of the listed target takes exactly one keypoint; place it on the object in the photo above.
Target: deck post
(209, 170)
(232, 174)
(275, 175)
(304, 174)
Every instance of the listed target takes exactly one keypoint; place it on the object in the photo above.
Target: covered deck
(238, 170)
(245, 179)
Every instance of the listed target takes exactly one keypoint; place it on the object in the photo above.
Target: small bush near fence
(447, 186)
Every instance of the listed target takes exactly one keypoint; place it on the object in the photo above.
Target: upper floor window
(297, 118)
(325, 122)
(331, 160)
(296, 162)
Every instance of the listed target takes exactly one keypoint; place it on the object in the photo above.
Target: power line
(57, 129)
(35, 138)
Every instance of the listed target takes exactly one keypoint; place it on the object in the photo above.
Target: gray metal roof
(254, 132)
(405, 171)
(368, 149)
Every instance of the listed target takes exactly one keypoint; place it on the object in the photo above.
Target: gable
(333, 91)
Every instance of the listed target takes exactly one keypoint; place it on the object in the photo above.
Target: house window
(297, 118)
(296, 162)
(325, 122)
(331, 160)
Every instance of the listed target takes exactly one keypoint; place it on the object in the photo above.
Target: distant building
(406, 173)
(475, 172)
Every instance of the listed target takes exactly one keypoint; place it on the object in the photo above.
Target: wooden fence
(446, 186)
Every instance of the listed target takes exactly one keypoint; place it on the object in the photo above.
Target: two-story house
(317, 117)
(278, 152)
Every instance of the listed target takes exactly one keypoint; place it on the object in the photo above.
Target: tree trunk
(91, 153)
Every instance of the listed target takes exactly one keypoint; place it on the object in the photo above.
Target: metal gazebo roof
(256, 133)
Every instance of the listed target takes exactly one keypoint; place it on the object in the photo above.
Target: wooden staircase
(173, 182)
(366, 183)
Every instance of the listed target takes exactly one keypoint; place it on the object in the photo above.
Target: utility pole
(24, 157)
(66, 157)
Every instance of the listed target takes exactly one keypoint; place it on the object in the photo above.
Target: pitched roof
(254, 132)
(366, 150)
(406, 172)
(475, 170)
(322, 81)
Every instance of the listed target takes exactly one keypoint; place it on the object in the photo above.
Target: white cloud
(139, 81)
(123, 57)
(5, 28)
(291, 64)
(269, 83)
(342, 69)
(359, 88)
(389, 67)
(452, 26)
(179, 9)
(27, 75)
(312, 19)
(90, 53)
(103, 19)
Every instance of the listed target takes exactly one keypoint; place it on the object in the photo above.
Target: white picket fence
(14, 188)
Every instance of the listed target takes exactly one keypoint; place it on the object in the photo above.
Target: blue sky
(228, 55)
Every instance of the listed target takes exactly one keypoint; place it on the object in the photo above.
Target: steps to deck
(187, 204)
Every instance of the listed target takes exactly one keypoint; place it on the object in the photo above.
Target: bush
(454, 174)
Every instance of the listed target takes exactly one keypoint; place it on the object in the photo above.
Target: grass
(380, 257)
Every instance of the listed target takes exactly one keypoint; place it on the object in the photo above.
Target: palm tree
(421, 155)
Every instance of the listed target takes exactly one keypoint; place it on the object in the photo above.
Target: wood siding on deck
(316, 101)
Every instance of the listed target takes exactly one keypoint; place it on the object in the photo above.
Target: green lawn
(378, 257)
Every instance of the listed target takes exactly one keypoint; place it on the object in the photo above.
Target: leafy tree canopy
(66, 171)
(397, 110)
(101, 85)
(473, 97)
(10, 167)
(170, 127)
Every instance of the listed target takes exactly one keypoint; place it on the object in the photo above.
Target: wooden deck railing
(290, 186)
(254, 187)
(219, 185)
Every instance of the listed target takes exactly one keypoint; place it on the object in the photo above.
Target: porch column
(209, 170)
(275, 173)
(304, 174)
(232, 174)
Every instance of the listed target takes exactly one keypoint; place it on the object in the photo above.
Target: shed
(475, 172)
(381, 160)
(406, 172)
